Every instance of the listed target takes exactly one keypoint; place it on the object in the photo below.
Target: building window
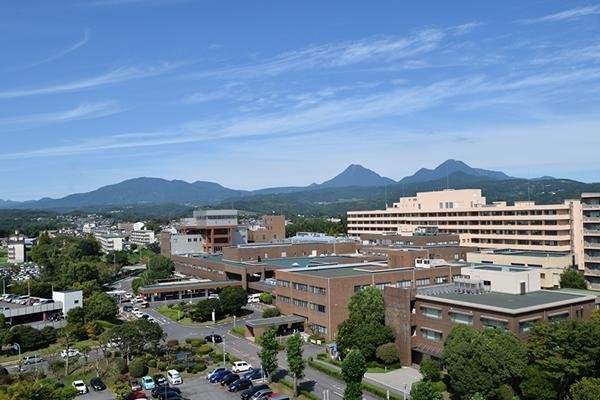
(300, 287)
(358, 288)
(283, 283)
(494, 323)
(317, 290)
(559, 317)
(318, 329)
(441, 279)
(525, 326)
(423, 282)
(403, 284)
(380, 286)
(433, 313)
(432, 335)
(283, 299)
(460, 318)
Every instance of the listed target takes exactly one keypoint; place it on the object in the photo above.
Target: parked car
(97, 384)
(164, 390)
(229, 379)
(135, 396)
(144, 304)
(248, 393)
(80, 386)
(160, 379)
(213, 338)
(213, 296)
(214, 371)
(278, 396)
(170, 396)
(261, 394)
(28, 360)
(174, 377)
(148, 383)
(241, 366)
(219, 376)
(254, 374)
(69, 353)
(240, 384)
(135, 385)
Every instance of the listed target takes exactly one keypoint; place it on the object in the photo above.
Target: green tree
(424, 390)
(367, 305)
(232, 299)
(570, 278)
(120, 257)
(430, 369)
(538, 384)
(202, 311)
(137, 367)
(136, 283)
(354, 367)
(43, 239)
(76, 316)
(482, 361)
(585, 389)
(100, 306)
(355, 333)
(268, 352)
(266, 298)
(387, 353)
(132, 336)
(295, 361)
(477, 396)
(159, 267)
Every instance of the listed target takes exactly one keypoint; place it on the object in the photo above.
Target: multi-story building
(523, 225)
(270, 229)
(217, 228)
(110, 241)
(506, 298)
(591, 238)
(16, 248)
(142, 237)
(321, 294)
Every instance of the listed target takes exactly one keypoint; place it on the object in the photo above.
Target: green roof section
(582, 292)
(509, 301)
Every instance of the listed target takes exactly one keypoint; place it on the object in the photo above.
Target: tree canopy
(353, 369)
(482, 361)
(232, 299)
(424, 390)
(268, 352)
(570, 278)
(100, 306)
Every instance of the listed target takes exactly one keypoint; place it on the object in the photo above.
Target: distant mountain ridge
(351, 184)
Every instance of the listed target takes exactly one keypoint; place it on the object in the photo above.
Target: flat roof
(499, 268)
(357, 269)
(509, 303)
(584, 292)
(190, 283)
(281, 320)
(302, 262)
(527, 253)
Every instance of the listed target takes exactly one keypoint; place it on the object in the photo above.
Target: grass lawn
(3, 256)
(177, 316)
(54, 348)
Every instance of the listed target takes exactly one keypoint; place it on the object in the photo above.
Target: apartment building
(217, 228)
(16, 248)
(506, 298)
(523, 225)
(110, 241)
(591, 238)
(142, 237)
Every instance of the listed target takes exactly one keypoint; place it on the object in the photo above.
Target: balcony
(590, 206)
(591, 245)
(591, 272)
(591, 219)
(591, 232)
(594, 259)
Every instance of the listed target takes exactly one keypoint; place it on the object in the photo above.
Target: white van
(254, 298)
(174, 377)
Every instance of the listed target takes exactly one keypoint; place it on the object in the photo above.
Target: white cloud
(82, 111)
(80, 43)
(566, 15)
(115, 76)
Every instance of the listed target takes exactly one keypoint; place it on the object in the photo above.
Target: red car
(135, 396)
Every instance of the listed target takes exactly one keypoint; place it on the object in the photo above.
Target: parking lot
(199, 388)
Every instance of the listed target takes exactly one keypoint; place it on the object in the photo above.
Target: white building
(110, 241)
(69, 298)
(16, 248)
(142, 237)
(504, 278)
(138, 226)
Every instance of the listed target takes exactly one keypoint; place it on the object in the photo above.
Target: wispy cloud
(80, 43)
(115, 76)
(82, 111)
(566, 15)
(342, 54)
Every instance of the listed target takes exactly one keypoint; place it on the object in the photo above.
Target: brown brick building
(271, 228)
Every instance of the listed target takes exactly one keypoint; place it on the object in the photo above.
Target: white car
(241, 366)
(80, 386)
(69, 353)
(138, 314)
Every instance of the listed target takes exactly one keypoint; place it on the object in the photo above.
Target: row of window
(301, 303)
(302, 287)
(405, 283)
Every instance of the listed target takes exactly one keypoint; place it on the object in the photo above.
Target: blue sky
(266, 93)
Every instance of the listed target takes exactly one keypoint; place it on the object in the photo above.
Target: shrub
(199, 367)
(173, 343)
(205, 349)
(430, 369)
(388, 353)
(440, 386)
(152, 363)
(195, 342)
(271, 312)
(161, 366)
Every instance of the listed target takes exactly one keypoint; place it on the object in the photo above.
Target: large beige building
(523, 225)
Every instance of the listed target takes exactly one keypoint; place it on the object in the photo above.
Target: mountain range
(352, 186)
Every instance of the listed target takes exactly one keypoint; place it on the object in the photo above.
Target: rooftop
(509, 303)
(348, 270)
(188, 283)
(281, 320)
(508, 252)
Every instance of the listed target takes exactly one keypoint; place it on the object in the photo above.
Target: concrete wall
(505, 281)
